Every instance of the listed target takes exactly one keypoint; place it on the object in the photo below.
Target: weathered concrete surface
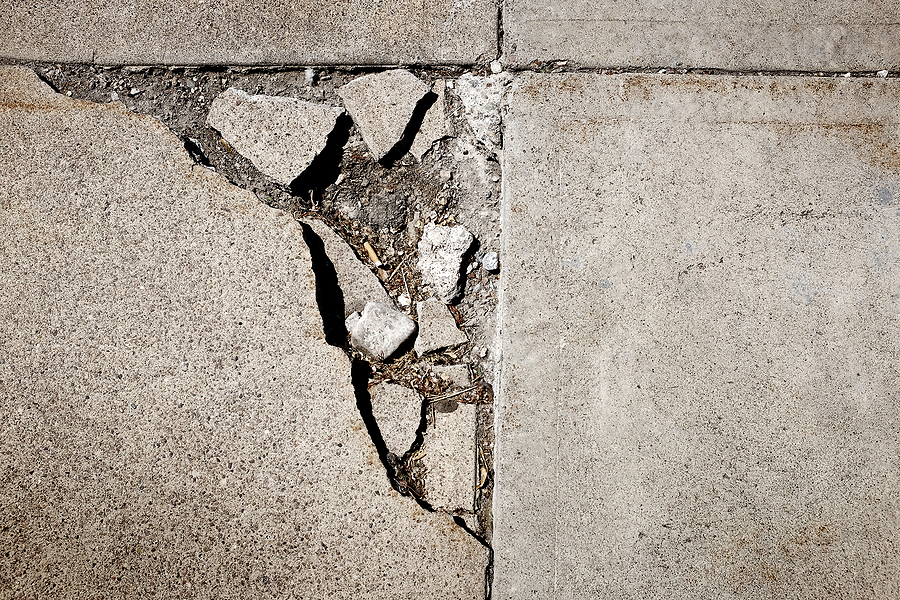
(457, 375)
(398, 412)
(358, 284)
(699, 390)
(280, 135)
(382, 105)
(437, 327)
(448, 453)
(441, 251)
(174, 424)
(435, 124)
(249, 32)
(854, 35)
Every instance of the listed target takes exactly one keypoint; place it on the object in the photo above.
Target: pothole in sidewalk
(379, 208)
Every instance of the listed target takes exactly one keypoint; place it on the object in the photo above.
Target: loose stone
(381, 330)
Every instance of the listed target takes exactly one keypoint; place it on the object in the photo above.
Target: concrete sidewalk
(699, 392)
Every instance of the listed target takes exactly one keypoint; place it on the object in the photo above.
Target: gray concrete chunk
(449, 457)
(358, 284)
(281, 136)
(435, 125)
(381, 330)
(382, 105)
(441, 250)
(833, 35)
(249, 32)
(174, 424)
(398, 412)
(699, 393)
(437, 327)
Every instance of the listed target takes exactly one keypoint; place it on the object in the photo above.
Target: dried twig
(447, 396)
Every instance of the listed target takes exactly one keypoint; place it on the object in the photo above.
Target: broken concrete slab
(249, 32)
(856, 35)
(482, 98)
(382, 105)
(435, 124)
(448, 453)
(398, 413)
(457, 375)
(280, 135)
(698, 396)
(173, 422)
(441, 251)
(358, 285)
(437, 327)
(381, 330)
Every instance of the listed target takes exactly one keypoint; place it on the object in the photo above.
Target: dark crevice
(409, 133)
(195, 151)
(329, 296)
(325, 168)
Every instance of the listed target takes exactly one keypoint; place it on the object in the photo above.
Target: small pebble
(491, 262)
(496, 67)
(114, 97)
(310, 76)
(883, 73)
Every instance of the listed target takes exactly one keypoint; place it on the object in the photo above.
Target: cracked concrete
(181, 425)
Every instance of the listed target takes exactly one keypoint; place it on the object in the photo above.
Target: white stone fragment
(482, 98)
(491, 262)
(382, 105)
(437, 327)
(381, 330)
(449, 459)
(435, 125)
(883, 73)
(457, 375)
(398, 412)
(351, 320)
(280, 136)
(441, 251)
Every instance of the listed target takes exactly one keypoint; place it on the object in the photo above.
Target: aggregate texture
(699, 387)
(836, 35)
(280, 135)
(249, 32)
(174, 423)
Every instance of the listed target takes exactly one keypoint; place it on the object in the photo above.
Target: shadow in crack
(325, 168)
(360, 371)
(329, 296)
(409, 133)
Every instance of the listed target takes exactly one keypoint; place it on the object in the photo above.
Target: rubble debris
(491, 262)
(482, 98)
(435, 125)
(281, 136)
(441, 251)
(381, 330)
(457, 375)
(357, 283)
(351, 320)
(398, 413)
(382, 105)
(437, 327)
(449, 458)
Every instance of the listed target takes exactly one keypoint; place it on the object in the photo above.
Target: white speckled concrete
(173, 423)
(700, 335)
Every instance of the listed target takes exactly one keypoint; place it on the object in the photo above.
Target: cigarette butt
(372, 256)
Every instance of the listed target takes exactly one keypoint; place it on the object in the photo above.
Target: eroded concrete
(855, 35)
(699, 385)
(174, 422)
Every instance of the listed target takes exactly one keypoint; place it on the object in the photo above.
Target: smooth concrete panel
(700, 338)
(850, 35)
(249, 32)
